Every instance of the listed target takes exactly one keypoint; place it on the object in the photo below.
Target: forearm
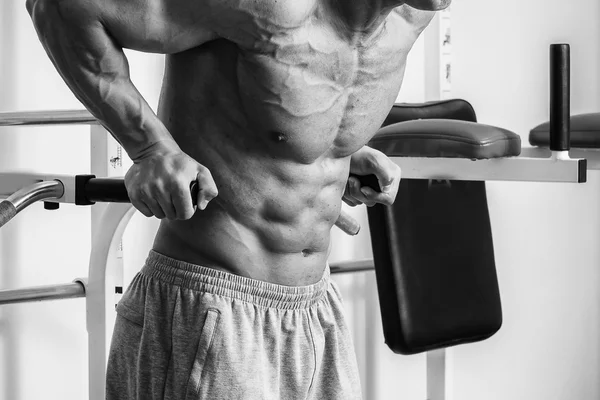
(95, 68)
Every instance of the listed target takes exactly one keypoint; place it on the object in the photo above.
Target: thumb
(385, 179)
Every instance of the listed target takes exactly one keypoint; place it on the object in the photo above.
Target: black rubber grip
(7, 212)
(106, 190)
(560, 101)
(113, 190)
(194, 189)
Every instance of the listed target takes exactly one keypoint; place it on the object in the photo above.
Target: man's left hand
(367, 161)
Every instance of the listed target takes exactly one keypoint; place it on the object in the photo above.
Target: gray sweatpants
(188, 332)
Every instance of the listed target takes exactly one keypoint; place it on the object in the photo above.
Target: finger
(160, 199)
(141, 207)
(369, 196)
(384, 170)
(207, 188)
(353, 189)
(350, 201)
(166, 204)
(363, 195)
(181, 199)
(386, 180)
(378, 197)
(396, 173)
(154, 207)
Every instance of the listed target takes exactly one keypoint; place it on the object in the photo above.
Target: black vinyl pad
(445, 109)
(585, 132)
(446, 138)
(434, 266)
(433, 248)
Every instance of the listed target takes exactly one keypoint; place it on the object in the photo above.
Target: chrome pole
(28, 195)
(57, 117)
(40, 293)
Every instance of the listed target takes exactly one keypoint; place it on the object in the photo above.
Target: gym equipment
(433, 249)
(88, 190)
(430, 174)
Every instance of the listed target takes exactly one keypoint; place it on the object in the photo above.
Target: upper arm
(158, 26)
(162, 26)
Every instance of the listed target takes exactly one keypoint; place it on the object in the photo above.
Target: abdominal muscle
(280, 181)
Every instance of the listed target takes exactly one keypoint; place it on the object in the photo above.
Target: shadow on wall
(8, 235)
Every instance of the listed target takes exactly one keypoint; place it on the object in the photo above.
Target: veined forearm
(95, 68)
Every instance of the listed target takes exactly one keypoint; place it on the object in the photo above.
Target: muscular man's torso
(274, 107)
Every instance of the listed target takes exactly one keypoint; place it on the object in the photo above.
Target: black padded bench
(584, 132)
(433, 249)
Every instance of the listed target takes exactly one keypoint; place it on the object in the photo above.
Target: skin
(267, 103)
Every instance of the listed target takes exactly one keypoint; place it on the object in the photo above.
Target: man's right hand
(158, 183)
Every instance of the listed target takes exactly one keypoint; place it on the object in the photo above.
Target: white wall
(545, 235)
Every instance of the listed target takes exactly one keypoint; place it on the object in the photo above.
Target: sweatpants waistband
(221, 283)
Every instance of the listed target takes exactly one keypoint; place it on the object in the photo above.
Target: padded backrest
(435, 268)
(433, 253)
(458, 109)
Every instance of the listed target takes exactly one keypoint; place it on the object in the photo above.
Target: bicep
(157, 26)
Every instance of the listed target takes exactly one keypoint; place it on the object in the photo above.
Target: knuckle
(133, 197)
(373, 161)
(210, 192)
(179, 187)
(203, 172)
(141, 192)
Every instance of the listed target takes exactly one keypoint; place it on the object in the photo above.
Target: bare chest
(312, 89)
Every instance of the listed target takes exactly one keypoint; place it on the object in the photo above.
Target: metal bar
(27, 196)
(496, 169)
(591, 155)
(436, 374)
(351, 266)
(38, 191)
(55, 117)
(40, 293)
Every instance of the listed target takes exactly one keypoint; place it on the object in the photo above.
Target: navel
(278, 137)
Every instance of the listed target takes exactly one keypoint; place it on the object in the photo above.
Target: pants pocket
(121, 373)
(204, 344)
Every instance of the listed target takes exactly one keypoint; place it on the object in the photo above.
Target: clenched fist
(159, 182)
(367, 161)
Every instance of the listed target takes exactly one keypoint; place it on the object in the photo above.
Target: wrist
(160, 147)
